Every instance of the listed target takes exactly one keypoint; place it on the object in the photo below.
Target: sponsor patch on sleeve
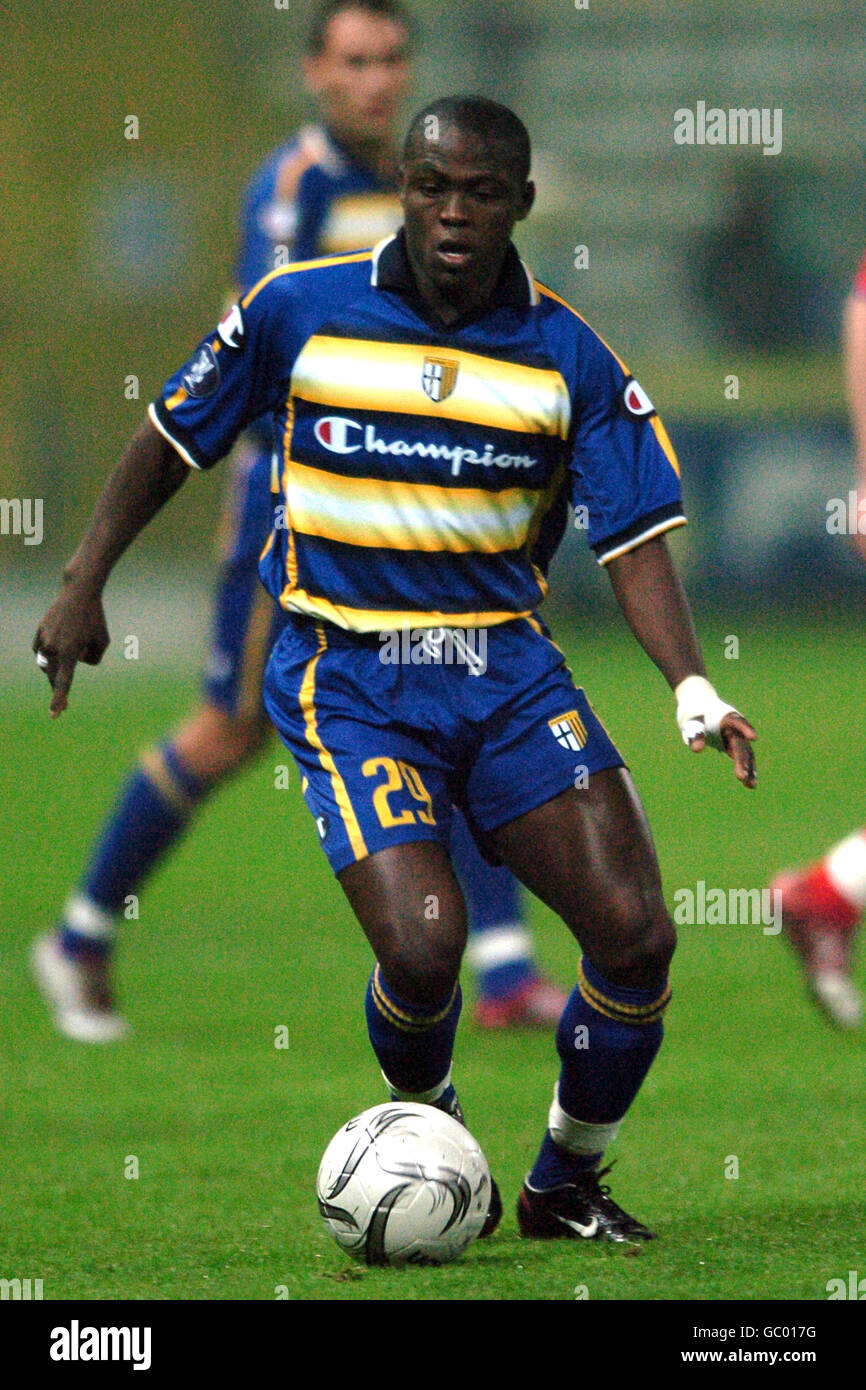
(635, 400)
(202, 377)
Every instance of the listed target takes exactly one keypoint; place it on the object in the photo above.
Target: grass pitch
(244, 930)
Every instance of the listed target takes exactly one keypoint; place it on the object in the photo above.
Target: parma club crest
(569, 730)
(439, 377)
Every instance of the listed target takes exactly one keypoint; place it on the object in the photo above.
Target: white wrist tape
(700, 711)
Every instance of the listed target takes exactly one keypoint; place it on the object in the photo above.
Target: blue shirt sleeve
(236, 374)
(625, 473)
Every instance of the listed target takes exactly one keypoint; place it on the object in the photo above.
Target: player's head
(464, 184)
(358, 66)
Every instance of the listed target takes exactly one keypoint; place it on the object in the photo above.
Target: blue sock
(500, 950)
(413, 1045)
(607, 1039)
(151, 812)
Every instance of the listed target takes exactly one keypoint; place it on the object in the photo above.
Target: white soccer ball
(403, 1184)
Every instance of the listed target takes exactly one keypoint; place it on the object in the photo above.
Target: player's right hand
(74, 629)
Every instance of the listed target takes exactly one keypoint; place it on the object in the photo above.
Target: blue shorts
(246, 620)
(387, 748)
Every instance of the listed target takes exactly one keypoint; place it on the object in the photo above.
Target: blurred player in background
(330, 189)
(823, 903)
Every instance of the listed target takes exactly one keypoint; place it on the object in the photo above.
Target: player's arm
(649, 592)
(625, 479)
(269, 217)
(236, 374)
(74, 628)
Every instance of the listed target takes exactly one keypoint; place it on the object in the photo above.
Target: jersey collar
(391, 270)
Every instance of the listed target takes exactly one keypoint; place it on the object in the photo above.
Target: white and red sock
(837, 883)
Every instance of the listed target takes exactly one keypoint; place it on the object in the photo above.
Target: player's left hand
(737, 735)
(74, 629)
(703, 718)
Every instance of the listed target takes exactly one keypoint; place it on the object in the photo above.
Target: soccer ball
(403, 1184)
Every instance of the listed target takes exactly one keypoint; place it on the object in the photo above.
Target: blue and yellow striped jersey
(425, 471)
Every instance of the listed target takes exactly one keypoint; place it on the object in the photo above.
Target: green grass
(244, 930)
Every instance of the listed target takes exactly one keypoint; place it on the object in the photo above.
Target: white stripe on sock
(499, 946)
(82, 915)
(578, 1136)
(846, 869)
(420, 1097)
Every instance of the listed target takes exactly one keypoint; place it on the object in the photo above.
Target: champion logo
(636, 400)
(338, 434)
(334, 433)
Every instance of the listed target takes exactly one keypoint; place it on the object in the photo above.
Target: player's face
(461, 199)
(361, 77)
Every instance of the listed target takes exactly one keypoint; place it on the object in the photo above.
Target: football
(403, 1184)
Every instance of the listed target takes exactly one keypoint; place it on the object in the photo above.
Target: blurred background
(702, 263)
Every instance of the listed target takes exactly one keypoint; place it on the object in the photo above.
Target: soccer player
(331, 188)
(437, 409)
(823, 903)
